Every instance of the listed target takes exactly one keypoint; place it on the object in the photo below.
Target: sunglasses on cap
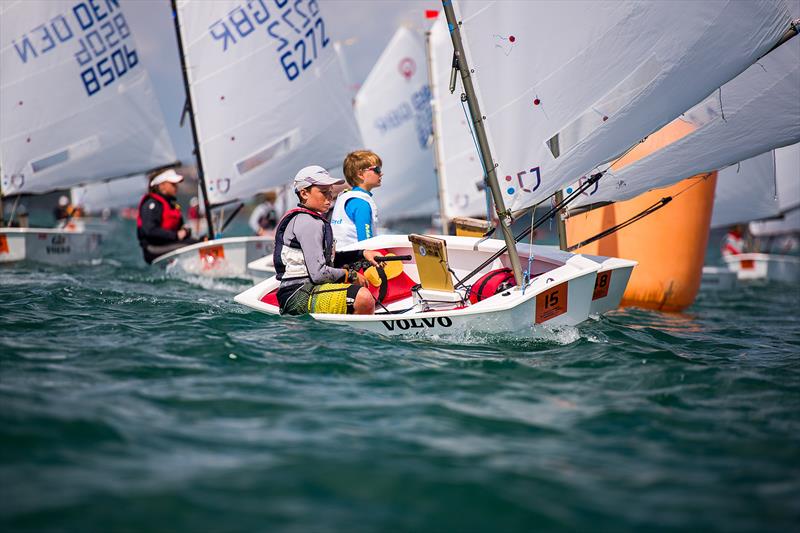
(376, 168)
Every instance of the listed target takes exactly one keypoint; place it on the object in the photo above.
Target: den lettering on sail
(95, 32)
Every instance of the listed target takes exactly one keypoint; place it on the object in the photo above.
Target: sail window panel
(273, 150)
(50, 161)
(594, 117)
(84, 148)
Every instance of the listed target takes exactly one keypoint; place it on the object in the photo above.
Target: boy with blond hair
(355, 215)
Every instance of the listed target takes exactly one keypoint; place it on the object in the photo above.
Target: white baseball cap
(314, 175)
(168, 175)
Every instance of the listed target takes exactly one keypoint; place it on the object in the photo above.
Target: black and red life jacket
(171, 217)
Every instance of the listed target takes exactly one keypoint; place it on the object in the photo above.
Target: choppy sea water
(134, 402)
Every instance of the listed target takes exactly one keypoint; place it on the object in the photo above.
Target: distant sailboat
(268, 97)
(394, 115)
(763, 192)
(77, 107)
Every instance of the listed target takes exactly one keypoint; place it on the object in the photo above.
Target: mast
(200, 174)
(503, 214)
(437, 155)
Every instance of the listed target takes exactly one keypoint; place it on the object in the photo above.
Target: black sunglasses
(376, 168)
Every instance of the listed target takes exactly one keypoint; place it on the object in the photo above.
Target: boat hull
(765, 267)
(52, 246)
(718, 279)
(220, 258)
(559, 295)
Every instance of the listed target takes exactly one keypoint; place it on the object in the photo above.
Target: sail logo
(297, 26)
(581, 181)
(407, 68)
(220, 185)
(506, 44)
(417, 323)
(524, 184)
(100, 37)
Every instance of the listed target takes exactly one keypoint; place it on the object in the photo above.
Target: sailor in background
(65, 210)
(195, 216)
(159, 224)
(733, 242)
(264, 218)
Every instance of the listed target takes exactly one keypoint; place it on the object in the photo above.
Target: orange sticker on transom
(210, 255)
(601, 285)
(4, 245)
(551, 303)
(747, 264)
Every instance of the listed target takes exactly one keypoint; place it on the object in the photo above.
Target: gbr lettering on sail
(295, 26)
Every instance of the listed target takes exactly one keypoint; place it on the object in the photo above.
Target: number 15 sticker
(551, 303)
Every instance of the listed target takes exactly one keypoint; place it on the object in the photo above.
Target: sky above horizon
(363, 27)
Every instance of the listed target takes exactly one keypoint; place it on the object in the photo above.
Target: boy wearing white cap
(314, 279)
(159, 224)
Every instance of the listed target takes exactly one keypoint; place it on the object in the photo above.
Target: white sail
(787, 174)
(268, 92)
(746, 191)
(76, 102)
(393, 111)
(116, 194)
(567, 86)
(459, 166)
(755, 112)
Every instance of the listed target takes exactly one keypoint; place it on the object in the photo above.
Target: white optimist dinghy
(763, 191)
(53, 246)
(424, 298)
(71, 114)
(218, 258)
(261, 107)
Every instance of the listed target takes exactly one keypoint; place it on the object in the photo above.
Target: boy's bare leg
(365, 303)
